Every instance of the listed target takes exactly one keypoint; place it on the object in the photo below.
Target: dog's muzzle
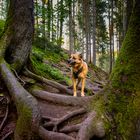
(71, 61)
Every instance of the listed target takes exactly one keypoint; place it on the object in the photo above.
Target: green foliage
(45, 45)
(39, 58)
(2, 22)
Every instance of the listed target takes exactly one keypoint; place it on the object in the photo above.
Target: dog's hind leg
(74, 87)
(83, 86)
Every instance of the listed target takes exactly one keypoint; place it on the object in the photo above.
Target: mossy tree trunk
(18, 33)
(15, 46)
(123, 101)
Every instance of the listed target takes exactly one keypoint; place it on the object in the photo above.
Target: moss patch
(38, 59)
(124, 97)
(23, 124)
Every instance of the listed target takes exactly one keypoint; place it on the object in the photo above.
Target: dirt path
(56, 117)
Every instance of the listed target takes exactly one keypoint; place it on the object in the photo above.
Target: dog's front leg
(83, 86)
(74, 87)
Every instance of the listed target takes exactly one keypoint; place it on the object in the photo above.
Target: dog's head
(75, 60)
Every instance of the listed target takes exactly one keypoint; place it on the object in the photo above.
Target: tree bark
(71, 39)
(94, 32)
(19, 33)
(27, 106)
(61, 99)
(125, 79)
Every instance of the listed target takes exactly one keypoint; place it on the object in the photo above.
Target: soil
(95, 82)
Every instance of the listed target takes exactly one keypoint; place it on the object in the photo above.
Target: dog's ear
(80, 55)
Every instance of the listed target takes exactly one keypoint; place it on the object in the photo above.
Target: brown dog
(79, 72)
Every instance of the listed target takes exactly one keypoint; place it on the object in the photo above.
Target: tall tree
(94, 32)
(15, 47)
(62, 14)
(129, 6)
(71, 39)
(22, 29)
(125, 80)
(86, 26)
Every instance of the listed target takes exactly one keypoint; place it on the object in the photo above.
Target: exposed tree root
(79, 88)
(23, 83)
(69, 129)
(27, 107)
(6, 115)
(54, 84)
(7, 135)
(60, 87)
(56, 122)
(61, 99)
(29, 114)
(48, 135)
(91, 127)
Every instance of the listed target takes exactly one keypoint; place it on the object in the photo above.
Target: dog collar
(76, 74)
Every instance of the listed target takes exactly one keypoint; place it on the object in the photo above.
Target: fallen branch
(54, 84)
(48, 135)
(69, 129)
(61, 99)
(91, 127)
(57, 122)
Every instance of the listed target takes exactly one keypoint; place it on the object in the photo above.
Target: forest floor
(57, 116)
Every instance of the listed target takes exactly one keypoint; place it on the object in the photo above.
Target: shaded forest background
(95, 28)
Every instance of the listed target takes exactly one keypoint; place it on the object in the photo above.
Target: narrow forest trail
(63, 113)
(64, 117)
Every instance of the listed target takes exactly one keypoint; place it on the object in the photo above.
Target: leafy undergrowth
(2, 22)
(44, 64)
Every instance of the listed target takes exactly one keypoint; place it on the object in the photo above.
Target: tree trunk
(15, 46)
(125, 78)
(61, 22)
(94, 32)
(71, 40)
(36, 19)
(44, 24)
(129, 6)
(27, 107)
(124, 17)
(110, 44)
(49, 16)
(86, 26)
(17, 32)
